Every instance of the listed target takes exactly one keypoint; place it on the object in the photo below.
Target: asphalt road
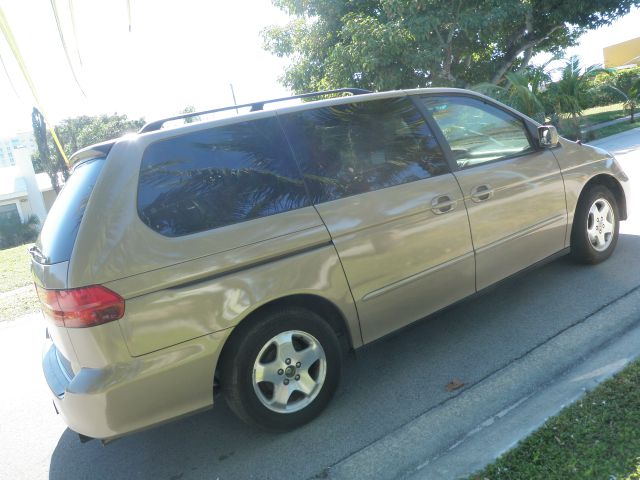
(386, 386)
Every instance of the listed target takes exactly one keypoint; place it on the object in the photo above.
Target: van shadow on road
(386, 385)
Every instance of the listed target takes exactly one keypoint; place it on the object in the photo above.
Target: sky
(178, 53)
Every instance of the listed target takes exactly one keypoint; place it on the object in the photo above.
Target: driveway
(386, 386)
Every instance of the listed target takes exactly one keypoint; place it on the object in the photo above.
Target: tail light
(81, 307)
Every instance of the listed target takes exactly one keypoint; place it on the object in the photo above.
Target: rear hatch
(62, 307)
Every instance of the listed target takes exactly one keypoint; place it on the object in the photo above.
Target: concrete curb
(597, 126)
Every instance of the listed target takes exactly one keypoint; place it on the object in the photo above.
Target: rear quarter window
(60, 229)
(216, 177)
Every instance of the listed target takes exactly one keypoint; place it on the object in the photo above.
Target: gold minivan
(246, 254)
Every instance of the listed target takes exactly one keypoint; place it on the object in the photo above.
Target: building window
(9, 210)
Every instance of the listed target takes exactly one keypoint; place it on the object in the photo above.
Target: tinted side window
(477, 132)
(217, 177)
(364, 146)
(60, 229)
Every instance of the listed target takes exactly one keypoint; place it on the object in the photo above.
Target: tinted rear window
(216, 177)
(60, 229)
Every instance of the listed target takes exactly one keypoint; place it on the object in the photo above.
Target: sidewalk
(620, 143)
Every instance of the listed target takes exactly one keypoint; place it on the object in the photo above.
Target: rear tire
(280, 370)
(596, 223)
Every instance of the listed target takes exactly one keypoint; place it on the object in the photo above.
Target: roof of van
(357, 94)
(103, 148)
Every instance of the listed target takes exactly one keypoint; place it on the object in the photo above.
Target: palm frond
(75, 32)
(624, 96)
(64, 45)
(6, 72)
(129, 13)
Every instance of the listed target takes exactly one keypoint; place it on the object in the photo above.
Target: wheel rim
(289, 371)
(600, 224)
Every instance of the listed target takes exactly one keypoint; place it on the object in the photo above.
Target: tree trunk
(512, 54)
(528, 53)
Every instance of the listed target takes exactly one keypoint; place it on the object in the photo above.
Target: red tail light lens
(81, 307)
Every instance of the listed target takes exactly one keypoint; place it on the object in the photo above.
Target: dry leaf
(454, 384)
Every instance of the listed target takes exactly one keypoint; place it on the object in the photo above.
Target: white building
(22, 191)
(8, 144)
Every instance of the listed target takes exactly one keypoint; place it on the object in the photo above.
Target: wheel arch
(320, 305)
(613, 185)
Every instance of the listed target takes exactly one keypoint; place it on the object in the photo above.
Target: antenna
(233, 94)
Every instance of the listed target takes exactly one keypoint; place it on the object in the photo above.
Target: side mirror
(548, 136)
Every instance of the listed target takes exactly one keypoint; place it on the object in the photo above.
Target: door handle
(443, 204)
(481, 193)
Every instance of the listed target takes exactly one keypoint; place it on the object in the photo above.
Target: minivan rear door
(394, 211)
(52, 251)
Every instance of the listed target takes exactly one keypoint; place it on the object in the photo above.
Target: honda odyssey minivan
(246, 254)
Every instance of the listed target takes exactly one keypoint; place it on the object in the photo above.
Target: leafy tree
(79, 132)
(387, 44)
(190, 109)
(74, 134)
(599, 91)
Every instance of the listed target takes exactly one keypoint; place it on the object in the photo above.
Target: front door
(514, 193)
(394, 211)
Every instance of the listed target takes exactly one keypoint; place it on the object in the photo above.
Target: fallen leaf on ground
(454, 385)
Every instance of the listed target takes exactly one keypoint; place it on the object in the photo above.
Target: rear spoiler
(93, 151)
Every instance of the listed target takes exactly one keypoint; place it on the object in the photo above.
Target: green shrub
(13, 232)
(598, 92)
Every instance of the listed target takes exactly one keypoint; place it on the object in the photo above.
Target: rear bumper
(110, 402)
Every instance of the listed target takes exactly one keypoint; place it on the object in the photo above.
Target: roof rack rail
(255, 106)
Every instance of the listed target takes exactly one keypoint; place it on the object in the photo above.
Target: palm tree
(630, 95)
(523, 97)
(522, 90)
(568, 94)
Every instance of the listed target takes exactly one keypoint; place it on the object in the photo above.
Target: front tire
(595, 226)
(280, 370)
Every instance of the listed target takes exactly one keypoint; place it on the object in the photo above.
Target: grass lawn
(15, 271)
(613, 129)
(594, 115)
(598, 437)
(17, 295)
